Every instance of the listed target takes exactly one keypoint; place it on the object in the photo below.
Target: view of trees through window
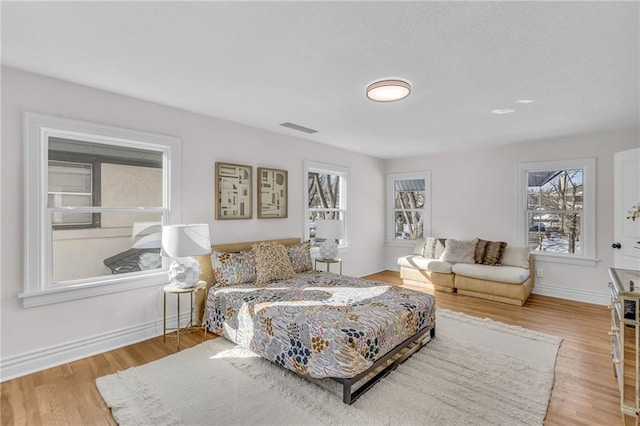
(554, 210)
(325, 200)
(409, 200)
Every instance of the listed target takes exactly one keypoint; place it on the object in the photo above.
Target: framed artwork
(272, 193)
(233, 191)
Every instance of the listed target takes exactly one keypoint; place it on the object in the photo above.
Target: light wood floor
(585, 391)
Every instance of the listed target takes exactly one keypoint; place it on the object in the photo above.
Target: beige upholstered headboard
(207, 271)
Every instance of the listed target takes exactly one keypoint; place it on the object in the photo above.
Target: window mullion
(106, 209)
(534, 212)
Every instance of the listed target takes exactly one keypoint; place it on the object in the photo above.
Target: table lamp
(153, 240)
(330, 230)
(181, 242)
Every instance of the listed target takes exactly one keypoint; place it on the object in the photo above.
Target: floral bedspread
(319, 324)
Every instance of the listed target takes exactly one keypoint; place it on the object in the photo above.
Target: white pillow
(516, 256)
(419, 247)
(434, 247)
(459, 251)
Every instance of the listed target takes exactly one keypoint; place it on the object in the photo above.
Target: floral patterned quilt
(319, 324)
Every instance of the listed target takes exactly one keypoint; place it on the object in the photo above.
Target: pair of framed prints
(234, 192)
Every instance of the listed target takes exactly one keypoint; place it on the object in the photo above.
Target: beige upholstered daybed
(315, 323)
(485, 269)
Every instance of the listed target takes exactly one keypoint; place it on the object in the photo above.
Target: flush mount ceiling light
(388, 90)
(503, 111)
(525, 101)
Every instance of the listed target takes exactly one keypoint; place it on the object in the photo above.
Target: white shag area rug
(475, 372)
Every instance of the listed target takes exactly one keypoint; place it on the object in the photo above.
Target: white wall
(474, 195)
(31, 337)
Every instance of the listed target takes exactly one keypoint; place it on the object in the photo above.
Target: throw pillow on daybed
(300, 255)
(516, 256)
(233, 268)
(434, 247)
(489, 252)
(418, 248)
(272, 262)
(459, 251)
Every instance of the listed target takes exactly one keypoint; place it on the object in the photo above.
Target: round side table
(328, 262)
(191, 291)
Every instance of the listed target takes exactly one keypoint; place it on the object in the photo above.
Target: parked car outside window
(538, 227)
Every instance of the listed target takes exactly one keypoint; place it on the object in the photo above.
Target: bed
(324, 325)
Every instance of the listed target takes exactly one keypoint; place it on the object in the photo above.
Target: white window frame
(587, 255)
(38, 283)
(426, 210)
(343, 172)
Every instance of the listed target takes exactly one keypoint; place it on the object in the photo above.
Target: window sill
(566, 259)
(65, 294)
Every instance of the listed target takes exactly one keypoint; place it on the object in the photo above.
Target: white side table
(191, 291)
(328, 262)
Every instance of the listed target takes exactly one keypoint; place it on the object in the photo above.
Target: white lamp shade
(139, 227)
(186, 240)
(330, 229)
(148, 241)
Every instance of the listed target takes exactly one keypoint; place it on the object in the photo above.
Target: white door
(626, 194)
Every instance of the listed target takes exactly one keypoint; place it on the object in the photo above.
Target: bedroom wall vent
(299, 128)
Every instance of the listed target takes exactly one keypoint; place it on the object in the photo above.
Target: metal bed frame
(349, 396)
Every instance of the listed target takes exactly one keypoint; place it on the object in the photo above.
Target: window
(72, 184)
(75, 177)
(325, 198)
(408, 206)
(557, 209)
(95, 197)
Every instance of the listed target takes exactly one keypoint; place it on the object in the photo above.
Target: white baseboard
(587, 296)
(367, 270)
(41, 359)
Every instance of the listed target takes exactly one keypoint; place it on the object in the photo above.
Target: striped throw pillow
(489, 252)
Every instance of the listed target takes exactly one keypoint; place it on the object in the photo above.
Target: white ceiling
(264, 63)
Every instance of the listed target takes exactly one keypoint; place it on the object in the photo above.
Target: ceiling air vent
(298, 128)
